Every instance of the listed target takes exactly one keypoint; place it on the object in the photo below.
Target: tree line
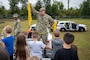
(54, 9)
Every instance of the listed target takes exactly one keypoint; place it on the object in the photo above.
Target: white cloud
(5, 3)
(73, 3)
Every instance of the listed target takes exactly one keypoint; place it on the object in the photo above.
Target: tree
(24, 7)
(49, 9)
(57, 8)
(55, 11)
(13, 6)
(85, 8)
(24, 3)
(47, 5)
(2, 11)
(47, 2)
(38, 5)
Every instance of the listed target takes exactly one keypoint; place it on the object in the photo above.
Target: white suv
(70, 26)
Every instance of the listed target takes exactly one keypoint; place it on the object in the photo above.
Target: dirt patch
(2, 22)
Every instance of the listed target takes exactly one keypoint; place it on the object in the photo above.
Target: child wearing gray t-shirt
(56, 43)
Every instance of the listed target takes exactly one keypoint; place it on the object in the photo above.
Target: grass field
(82, 39)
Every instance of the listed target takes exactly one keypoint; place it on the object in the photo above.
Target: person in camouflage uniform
(43, 22)
(17, 25)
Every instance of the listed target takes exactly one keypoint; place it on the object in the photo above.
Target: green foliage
(38, 5)
(49, 9)
(73, 12)
(85, 8)
(15, 9)
(2, 11)
(55, 9)
(13, 6)
(23, 11)
(46, 2)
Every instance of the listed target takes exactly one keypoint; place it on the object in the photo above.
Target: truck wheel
(62, 29)
(82, 29)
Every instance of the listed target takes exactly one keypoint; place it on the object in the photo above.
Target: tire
(82, 29)
(62, 29)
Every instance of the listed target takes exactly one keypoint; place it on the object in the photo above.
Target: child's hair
(8, 29)
(25, 33)
(35, 34)
(56, 33)
(33, 58)
(3, 54)
(2, 44)
(68, 38)
(20, 47)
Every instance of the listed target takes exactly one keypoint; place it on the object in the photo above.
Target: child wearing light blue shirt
(36, 46)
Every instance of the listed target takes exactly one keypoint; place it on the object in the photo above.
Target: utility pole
(68, 4)
(0, 4)
(53, 1)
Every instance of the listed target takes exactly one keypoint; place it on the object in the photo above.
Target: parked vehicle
(70, 26)
(67, 26)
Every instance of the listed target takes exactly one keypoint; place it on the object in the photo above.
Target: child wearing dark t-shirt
(67, 52)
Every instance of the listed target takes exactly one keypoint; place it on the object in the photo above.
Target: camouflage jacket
(43, 22)
(17, 26)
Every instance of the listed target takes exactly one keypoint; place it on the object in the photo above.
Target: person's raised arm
(35, 12)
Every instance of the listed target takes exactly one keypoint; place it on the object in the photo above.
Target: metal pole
(68, 4)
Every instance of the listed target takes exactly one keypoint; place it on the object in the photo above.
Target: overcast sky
(73, 3)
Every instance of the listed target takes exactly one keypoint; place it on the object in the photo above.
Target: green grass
(82, 39)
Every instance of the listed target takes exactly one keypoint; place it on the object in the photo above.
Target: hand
(0, 38)
(47, 42)
(14, 35)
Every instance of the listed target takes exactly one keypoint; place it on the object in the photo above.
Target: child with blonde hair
(9, 41)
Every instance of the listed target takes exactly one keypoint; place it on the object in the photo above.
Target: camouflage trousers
(44, 37)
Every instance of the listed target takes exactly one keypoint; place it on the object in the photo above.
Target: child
(9, 41)
(67, 52)
(22, 50)
(3, 54)
(36, 46)
(26, 35)
(56, 43)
